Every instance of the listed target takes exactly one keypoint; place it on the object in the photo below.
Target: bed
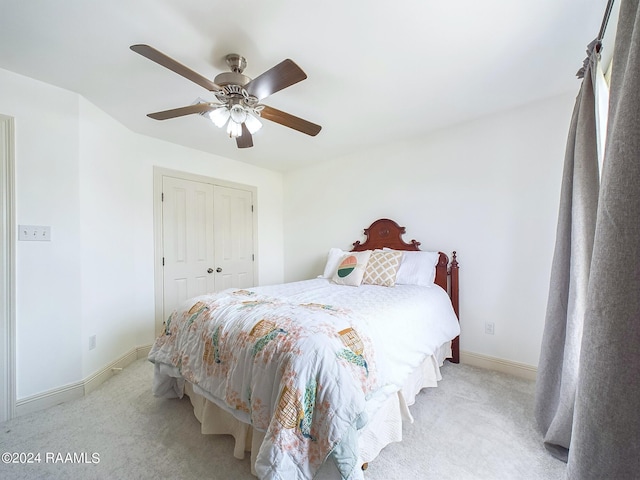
(315, 377)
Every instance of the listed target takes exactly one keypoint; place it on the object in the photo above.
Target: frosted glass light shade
(234, 129)
(238, 114)
(219, 116)
(253, 124)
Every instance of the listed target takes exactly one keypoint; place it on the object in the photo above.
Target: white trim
(7, 267)
(158, 173)
(94, 381)
(521, 370)
(143, 352)
(49, 399)
(77, 390)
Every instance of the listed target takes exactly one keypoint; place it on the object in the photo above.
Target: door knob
(209, 270)
(218, 269)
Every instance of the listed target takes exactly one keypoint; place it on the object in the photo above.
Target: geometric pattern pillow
(382, 268)
(351, 268)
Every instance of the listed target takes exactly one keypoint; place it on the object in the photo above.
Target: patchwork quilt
(301, 372)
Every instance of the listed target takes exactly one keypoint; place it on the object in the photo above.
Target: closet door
(187, 236)
(233, 237)
(207, 240)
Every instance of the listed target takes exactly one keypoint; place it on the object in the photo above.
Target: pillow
(382, 268)
(351, 268)
(417, 268)
(333, 259)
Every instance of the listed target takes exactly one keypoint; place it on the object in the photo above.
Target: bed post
(454, 286)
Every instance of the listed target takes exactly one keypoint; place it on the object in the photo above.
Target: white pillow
(333, 259)
(351, 268)
(417, 268)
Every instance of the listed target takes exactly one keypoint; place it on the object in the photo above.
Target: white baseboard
(521, 370)
(79, 389)
(49, 399)
(101, 376)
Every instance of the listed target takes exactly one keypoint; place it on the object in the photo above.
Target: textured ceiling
(377, 71)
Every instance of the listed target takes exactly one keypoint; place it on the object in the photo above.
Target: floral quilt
(301, 372)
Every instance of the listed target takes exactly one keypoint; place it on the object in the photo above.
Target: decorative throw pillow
(351, 268)
(382, 268)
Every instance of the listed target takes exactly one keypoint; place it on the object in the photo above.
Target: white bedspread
(407, 322)
(306, 362)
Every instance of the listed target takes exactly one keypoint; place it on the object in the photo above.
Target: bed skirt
(384, 427)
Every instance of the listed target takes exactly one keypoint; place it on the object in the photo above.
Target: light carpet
(477, 424)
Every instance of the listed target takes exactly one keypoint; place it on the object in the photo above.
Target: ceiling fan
(238, 96)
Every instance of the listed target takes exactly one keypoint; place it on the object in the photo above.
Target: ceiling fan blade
(283, 75)
(245, 140)
(180, 112)
(290, 121)
(168, 62)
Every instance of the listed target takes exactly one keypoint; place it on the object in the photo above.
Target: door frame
(158, 173)
(8, 268)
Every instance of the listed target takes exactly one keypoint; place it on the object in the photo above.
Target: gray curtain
(588, 390)
(561, 343)
(606, 437)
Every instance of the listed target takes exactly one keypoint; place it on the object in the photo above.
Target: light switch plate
(37, 233)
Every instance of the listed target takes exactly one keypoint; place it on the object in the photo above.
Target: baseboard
(49, 399)
(521, 370)
(101, 376)
(143, 352)
(60, 395)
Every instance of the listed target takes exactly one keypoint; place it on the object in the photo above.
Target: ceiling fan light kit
(233, 115)
(239, 96)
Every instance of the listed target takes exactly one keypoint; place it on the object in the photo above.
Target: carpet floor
(477, 425)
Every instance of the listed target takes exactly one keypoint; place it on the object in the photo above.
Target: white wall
(488, 189)
(48, 325)
(92, 180)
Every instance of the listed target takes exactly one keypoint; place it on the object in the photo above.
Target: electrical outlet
(488, 328)
(92, 342)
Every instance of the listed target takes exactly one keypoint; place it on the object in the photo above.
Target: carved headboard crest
(385, 233)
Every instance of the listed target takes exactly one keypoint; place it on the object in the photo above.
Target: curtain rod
(605, 20)
(596, 44)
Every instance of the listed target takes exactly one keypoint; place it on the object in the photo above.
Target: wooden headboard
(385, 233)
